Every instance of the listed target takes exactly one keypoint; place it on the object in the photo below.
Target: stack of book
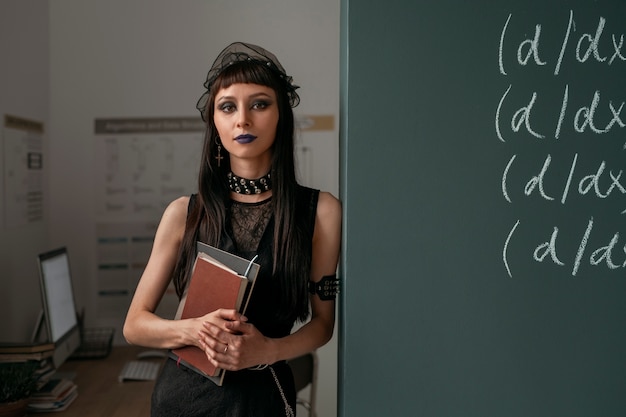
(51, 394)
(40, 353)
(16, 352)
(55, 395)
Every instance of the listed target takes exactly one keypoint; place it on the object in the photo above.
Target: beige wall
(24, 92)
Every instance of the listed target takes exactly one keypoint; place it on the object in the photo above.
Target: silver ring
(225, 349)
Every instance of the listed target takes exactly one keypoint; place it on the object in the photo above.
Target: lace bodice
(249, 221)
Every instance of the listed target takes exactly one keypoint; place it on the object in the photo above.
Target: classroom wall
(121, 59)
(24, 93)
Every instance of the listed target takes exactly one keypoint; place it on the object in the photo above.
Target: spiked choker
(245, 186)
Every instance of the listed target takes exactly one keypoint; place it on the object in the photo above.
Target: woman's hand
(231, 343)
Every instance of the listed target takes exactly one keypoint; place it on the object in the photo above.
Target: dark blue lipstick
(245, 138)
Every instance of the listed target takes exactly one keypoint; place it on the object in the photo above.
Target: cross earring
(219, 156)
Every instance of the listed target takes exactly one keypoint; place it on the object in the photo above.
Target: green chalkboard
(483, 159)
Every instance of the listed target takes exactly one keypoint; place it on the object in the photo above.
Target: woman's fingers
(229, 315)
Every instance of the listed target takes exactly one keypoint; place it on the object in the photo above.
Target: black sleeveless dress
(180, 391)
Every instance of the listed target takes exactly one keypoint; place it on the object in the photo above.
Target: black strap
(326, 289)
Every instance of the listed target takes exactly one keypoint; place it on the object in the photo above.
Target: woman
(248, 203)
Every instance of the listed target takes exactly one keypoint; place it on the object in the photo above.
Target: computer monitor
(58, 303)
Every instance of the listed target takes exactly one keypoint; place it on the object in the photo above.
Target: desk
(100, 394)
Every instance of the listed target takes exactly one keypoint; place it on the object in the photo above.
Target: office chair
(304, 370)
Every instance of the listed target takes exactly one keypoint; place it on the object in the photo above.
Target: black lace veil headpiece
(240, 51)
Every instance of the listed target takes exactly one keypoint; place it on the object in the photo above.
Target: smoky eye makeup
(226, 106)
(261, 104)
(257, 101)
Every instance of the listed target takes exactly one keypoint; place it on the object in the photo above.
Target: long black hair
(206, 222)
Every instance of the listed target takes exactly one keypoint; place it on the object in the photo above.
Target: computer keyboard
(139, 371)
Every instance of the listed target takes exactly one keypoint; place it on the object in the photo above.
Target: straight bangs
(245, 72)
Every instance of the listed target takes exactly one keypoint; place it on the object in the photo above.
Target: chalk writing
(596, 46)
(599, 117)
(610, 255)
(601, 183)
(531, 114)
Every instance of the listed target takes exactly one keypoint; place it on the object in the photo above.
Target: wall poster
(142, 164)
(23, 198)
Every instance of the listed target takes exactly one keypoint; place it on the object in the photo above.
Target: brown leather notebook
(213, 285)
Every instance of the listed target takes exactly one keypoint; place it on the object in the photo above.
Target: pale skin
(228, 340)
